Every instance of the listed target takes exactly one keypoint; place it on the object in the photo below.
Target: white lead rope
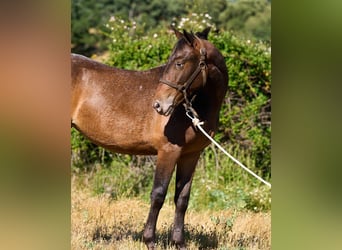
(198, 123)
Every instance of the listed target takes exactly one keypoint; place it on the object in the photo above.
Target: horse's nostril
(156, 105)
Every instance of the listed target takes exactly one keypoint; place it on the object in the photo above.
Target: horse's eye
(179, 65)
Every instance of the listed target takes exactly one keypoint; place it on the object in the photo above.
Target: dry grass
(101, 223)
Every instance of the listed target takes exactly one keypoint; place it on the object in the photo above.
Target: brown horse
(139, 112)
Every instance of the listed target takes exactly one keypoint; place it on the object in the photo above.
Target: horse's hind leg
(185, 170)
(165, 165)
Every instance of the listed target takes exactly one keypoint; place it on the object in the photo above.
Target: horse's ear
(203, 34)
(189, 37)
(178, 34)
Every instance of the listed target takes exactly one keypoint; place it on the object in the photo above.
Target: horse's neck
(218, 84)
(152, 76)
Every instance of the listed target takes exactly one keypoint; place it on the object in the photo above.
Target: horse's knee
(158, 197)
(182, 202)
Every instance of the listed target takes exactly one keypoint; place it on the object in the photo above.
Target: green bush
(245, 117)
(131, 48)
(250, 18)
(245, 124)
(129, 177)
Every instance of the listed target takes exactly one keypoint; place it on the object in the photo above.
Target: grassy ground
(99, 222)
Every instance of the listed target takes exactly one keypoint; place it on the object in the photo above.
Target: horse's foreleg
(185, 170)
(165, 166)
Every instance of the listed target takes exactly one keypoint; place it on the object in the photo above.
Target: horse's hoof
(182, 247)
(151, 246)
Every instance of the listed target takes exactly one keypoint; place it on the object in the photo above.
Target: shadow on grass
(204, 240)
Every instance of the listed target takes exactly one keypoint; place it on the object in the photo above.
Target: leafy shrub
(131, 48)
(126, 178)
(250, 18)
(85, 154)
(245, 117)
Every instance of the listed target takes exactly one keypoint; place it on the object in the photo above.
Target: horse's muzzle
(163, 108)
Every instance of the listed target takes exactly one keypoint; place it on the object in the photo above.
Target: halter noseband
(202, 66)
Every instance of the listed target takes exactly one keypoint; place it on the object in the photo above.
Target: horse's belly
(135, 150)
(112, 128)
(118, 145)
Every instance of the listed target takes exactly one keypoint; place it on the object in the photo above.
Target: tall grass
(219, 183)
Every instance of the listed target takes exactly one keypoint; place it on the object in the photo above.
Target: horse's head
(185, 72)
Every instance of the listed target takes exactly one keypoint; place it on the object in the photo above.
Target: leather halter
(202, 66)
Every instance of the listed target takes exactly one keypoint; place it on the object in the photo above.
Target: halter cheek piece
(202, 66)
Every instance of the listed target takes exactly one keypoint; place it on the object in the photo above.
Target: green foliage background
(250, 19)
(245, 119)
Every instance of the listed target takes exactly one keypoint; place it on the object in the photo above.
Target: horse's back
(81, 65)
